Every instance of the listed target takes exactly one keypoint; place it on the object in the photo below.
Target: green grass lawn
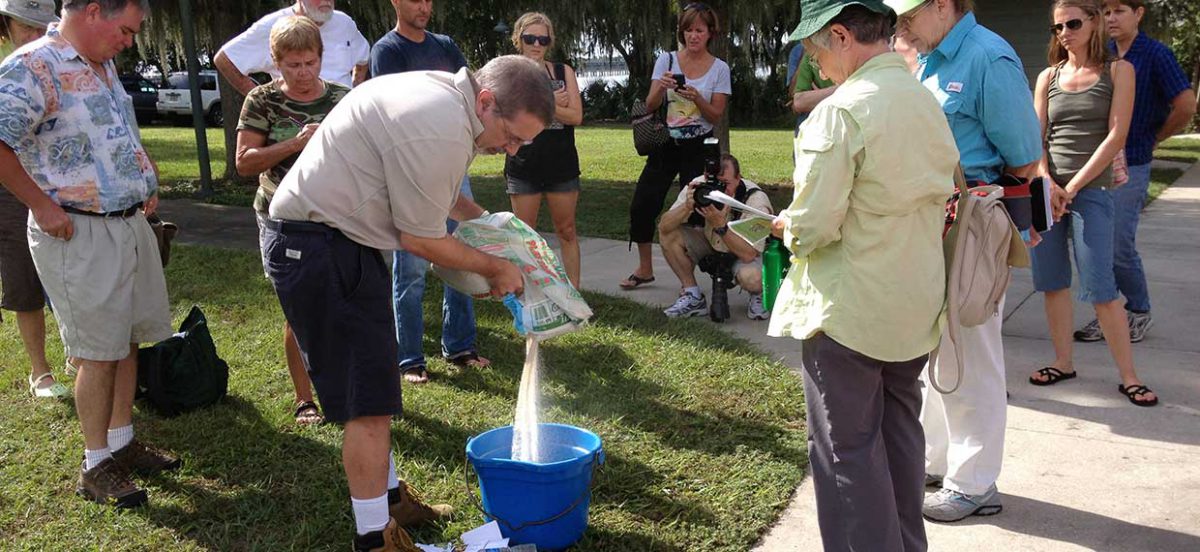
(609, 164)
(1184, 150)
(704, 435)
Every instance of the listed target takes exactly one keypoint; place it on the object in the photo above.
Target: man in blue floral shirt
(70, 151)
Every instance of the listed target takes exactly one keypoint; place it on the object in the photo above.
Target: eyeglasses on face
(530, 39)
(907, 19)
(1073, 24)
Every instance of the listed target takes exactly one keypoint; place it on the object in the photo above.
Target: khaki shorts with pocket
(106, 285)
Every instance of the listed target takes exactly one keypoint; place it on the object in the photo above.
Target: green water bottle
(776, 262)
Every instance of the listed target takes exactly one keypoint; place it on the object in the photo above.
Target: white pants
(964, 431)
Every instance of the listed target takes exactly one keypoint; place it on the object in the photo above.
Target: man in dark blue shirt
(1164, 103)
(409, 47)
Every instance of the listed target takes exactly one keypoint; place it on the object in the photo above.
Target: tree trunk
(226, 26)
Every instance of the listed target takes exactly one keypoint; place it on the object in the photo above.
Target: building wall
(1024, 24)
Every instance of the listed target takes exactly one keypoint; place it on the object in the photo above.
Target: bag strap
(963, 212)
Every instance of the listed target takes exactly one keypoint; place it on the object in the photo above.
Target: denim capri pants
(1088, 227)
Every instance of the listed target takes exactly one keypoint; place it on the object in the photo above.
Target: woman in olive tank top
(1084, 101)
(550, 165)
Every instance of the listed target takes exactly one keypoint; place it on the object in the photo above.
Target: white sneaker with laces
(687, 305)
(755, 310)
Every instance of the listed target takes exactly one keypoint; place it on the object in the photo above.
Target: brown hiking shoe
(391, 539)
(108, 483)
(145, 460)
(412, 510)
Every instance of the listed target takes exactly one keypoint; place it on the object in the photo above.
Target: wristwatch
(721, 231)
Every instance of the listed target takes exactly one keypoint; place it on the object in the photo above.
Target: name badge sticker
(954, 87)
(292, 254)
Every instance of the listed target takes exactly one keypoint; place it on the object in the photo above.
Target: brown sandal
(307, 413)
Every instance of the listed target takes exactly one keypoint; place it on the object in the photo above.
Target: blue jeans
(1127, 264)
(1088, 228)
(408, 289)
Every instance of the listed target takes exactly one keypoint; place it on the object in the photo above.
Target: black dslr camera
(712, 168)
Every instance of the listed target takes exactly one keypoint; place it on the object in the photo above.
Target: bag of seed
(552, 305)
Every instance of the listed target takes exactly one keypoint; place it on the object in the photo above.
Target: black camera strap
(742, 193)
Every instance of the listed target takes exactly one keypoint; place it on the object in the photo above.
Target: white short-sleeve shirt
(684, 120)
(344, 46)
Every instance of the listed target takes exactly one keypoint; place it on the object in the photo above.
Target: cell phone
(680, 80)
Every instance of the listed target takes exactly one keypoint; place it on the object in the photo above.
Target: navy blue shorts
(337, 296)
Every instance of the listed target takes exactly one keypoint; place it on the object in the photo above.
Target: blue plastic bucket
(546, 503)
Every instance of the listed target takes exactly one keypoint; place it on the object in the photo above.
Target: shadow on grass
(242, 475)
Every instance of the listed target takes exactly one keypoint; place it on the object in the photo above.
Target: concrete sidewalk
(1084, 469)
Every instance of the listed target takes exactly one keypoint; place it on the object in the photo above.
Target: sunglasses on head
(697, 6)
(1073, 24)
(530, 39)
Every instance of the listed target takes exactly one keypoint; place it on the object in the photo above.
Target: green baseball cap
(815, 14)
(902, 7)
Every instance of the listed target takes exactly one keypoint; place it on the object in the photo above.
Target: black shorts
(337, 296)
(22, 290)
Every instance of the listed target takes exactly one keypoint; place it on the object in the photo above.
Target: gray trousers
(866, 448)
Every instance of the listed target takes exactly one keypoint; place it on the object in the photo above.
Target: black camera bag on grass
(183, 373)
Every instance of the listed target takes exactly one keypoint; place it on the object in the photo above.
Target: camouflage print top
(280, 118)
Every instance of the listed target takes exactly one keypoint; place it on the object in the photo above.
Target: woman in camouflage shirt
(278, 119)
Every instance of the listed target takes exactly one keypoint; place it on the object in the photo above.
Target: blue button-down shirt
(74, 133)
(980, 83)
(1159, 80)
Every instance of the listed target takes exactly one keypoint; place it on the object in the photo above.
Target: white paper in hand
(723, 198)
(752, 229)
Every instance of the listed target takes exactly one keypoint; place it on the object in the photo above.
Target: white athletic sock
(119, 438)
(370, 514)
(694, 291)
(393, 481)
(92, 458)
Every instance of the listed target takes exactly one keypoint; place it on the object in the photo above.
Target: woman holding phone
(696, 86)
(550, 165)
(1085, 102)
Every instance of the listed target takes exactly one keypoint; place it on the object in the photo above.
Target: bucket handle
(597, 459)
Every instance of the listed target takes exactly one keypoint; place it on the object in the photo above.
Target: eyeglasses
(510, 138)
(1073, 24)
(907, 19)
(529, 39)
(697, 6)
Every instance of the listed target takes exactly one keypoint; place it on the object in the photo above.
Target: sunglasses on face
(1073, 24)
(529, 39)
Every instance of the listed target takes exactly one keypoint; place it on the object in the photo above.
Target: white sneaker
(755, 310)
(687, 305)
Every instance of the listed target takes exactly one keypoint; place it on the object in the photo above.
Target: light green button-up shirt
(874, 166)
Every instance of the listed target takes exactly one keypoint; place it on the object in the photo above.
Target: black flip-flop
(1053, 375)
(1133, 391)
(638, 281)
(420, 370)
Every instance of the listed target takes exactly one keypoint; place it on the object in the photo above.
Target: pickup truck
(176, 99)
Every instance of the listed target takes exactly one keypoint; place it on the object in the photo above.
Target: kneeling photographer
(695, 231)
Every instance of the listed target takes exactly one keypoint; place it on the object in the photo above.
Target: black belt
(299, 226)
(124, 213)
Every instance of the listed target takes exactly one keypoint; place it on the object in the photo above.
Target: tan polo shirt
(388, 159)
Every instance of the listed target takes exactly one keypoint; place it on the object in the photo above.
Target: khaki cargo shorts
(105, 284)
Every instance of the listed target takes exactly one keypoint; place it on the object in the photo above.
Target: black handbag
(183, 373)
(650, 127)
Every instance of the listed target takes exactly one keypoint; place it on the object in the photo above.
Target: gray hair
(867, 26)
(519, 84)
(108, 8)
